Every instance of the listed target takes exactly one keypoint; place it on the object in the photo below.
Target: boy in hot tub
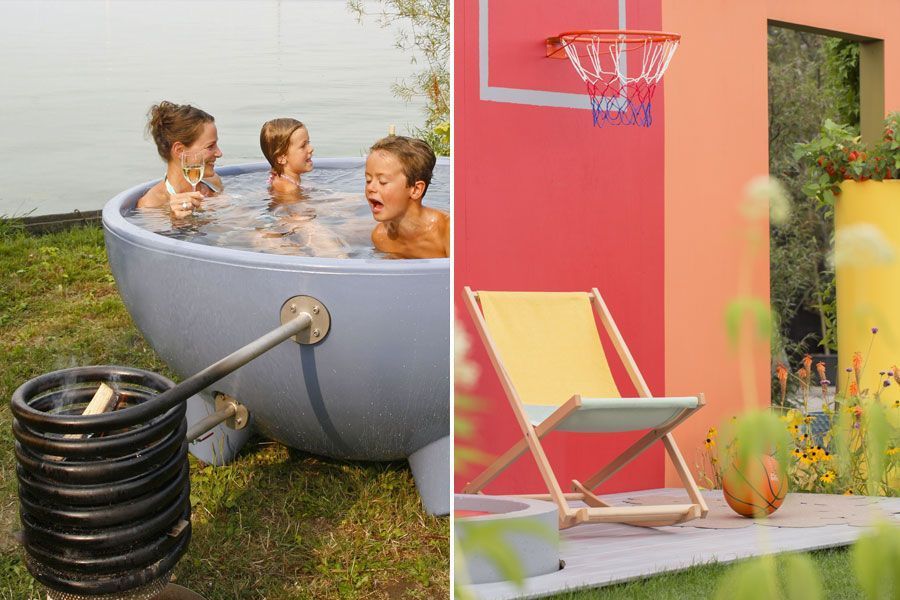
(398, 171)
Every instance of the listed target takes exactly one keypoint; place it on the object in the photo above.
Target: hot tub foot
(430, 466)
(220, 444)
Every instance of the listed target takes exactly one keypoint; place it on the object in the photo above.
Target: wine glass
(192, 166)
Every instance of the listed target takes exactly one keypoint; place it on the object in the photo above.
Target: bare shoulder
(280, 186)
(155, 196)
(380, 236)
(437, 218)
(440, 223)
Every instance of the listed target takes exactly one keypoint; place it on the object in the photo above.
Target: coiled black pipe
(111, 512)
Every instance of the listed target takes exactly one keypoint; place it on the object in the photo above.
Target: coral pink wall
(716, 139)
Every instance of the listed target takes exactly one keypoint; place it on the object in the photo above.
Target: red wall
(545, 201)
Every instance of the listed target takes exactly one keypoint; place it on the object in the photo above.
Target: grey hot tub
(376, 388)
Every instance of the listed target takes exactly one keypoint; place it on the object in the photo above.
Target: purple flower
(890, 373)
(887, 382)
(826, 382)
(849, 370)
(874, 330)
(881, 373)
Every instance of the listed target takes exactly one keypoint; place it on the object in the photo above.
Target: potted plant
(854, 183)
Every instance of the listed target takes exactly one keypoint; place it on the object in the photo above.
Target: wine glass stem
(193, 187)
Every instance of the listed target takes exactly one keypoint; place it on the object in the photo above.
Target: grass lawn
(275, 524)
(834, 566)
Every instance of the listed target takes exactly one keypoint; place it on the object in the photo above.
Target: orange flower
(854, 390)
(803, 374)
(820, 369)
(857, 364)
(807, 362)
(782, 373)
(896, 373)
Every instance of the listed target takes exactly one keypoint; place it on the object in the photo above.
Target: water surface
(331, 218)
(78, 77)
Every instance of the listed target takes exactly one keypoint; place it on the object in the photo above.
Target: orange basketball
(756, 490)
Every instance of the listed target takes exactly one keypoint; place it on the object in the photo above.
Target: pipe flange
(321, 319)
(241, 415)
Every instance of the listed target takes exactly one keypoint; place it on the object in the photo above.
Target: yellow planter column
(867, 279)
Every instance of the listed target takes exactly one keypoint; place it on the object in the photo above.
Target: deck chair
(546, 349)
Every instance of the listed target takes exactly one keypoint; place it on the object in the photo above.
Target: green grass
(276, 523)
(834, 568)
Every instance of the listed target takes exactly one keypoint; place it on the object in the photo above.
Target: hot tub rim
(115, 224)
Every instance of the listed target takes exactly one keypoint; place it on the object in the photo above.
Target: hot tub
(377, 387)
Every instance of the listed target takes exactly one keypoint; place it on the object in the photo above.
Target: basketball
(756, 490)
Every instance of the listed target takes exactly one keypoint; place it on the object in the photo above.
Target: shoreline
(42, 224)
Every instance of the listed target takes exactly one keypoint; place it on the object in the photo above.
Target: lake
(79, 76)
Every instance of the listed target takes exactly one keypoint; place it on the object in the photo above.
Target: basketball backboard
(512, 51)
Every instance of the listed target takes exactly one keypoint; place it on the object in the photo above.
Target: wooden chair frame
(597, 511)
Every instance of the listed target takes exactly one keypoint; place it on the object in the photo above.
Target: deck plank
(601, 554)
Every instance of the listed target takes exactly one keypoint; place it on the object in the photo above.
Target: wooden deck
(602, 554)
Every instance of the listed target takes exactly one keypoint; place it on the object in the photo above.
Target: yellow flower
(712, 432)
(848, 492)
(710, 442)
(796, 452)
(827, 477)
(891, 451)
(805, 459)
(825, 455)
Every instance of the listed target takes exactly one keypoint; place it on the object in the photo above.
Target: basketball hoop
(601, 57)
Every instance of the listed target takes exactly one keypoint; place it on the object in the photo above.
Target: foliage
(808, 81)
(842, 64)
(425, 31)
(875, 559)
(857, 453)
(701, 581)
(276, 523)
(837, 154)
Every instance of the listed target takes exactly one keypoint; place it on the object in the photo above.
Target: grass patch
(834, 566)
(276, 523)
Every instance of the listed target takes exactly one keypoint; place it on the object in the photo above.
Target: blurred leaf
(751, 580)
(737, 310)
(801, 581)
(876, 560)
(491, 540)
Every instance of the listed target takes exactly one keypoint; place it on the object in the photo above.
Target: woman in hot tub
(178, 129)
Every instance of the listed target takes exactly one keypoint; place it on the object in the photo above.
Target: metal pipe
(210, 421)
(181, 392)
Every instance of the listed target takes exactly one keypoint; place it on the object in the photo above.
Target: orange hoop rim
(629, 36)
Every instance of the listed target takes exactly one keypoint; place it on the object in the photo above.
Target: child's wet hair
(275, 139)
(168, 123)
(415, 156)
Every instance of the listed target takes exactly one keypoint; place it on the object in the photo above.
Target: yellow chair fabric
(549, 345)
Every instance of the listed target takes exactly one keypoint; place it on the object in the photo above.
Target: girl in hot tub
(285, 144)
(179, 129)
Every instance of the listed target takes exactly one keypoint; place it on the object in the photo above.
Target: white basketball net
(616, 97)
